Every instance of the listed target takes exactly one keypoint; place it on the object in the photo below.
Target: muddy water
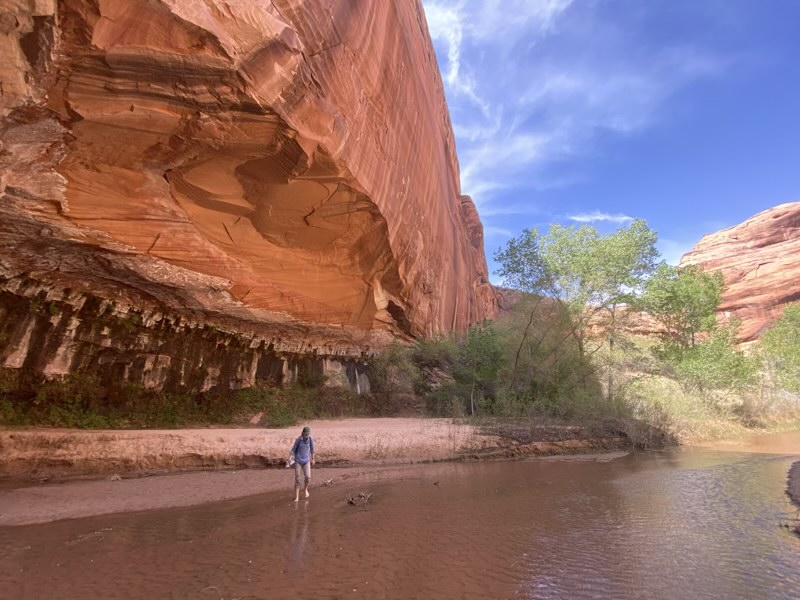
(696, 523)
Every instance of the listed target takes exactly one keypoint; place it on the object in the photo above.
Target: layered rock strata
(287, 167)
(51, 332)
(760, 261)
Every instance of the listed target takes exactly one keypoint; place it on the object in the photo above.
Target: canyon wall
(284, 172)
(760, 261)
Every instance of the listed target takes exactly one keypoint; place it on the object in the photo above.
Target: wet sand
(78, 499)
(768, 443)
(46, 454)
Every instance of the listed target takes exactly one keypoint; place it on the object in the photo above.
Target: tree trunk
(611, 368)
(522, 343)
(612, 329)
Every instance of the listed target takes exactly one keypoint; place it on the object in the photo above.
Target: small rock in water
(360, 499)
(115, 477)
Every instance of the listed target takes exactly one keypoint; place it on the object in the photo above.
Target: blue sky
(685, 113)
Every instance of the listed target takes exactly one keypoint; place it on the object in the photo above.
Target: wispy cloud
(533, 83)
(510, 210)
(491, 231)
(599, 216)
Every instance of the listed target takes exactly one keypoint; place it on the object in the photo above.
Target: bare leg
(298, 474)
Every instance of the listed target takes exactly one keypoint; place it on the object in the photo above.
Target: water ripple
(686, 524)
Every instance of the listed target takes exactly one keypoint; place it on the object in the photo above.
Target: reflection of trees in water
(298, 537)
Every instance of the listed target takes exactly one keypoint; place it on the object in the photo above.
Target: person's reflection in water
(298, 537)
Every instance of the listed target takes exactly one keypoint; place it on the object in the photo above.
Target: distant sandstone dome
(287, 164)
(760, 261)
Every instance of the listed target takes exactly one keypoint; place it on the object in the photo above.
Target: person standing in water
(303, 456)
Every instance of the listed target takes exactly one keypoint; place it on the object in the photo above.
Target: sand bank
(60, 474)
(58, 453)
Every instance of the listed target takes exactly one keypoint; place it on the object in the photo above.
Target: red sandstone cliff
(287, 165)
(760, 260)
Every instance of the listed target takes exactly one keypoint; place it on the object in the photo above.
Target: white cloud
(599, 216)
(445, 25)
(531, 83)
(513, 209)
(497, 158)
(490, 231)
(488, 18)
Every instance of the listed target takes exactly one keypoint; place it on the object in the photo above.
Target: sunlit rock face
(760, 260)
(287, 164)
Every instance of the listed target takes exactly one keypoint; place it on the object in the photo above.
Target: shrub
(71, 401)
(393, 371)
(449, 400)
(436, 353)
(716, 364)
(781, 344)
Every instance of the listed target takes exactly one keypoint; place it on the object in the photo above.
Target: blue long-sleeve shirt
(303, 449)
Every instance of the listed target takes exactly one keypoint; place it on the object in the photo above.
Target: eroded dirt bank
(59, 453)
(40, 466)
(48, 453)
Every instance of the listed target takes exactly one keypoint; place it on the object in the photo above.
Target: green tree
(781, 344)
(480, 359)
(585, 272)
(716, 363)
(684, 301)
(393, 374)
(588, 274)
(545, 369)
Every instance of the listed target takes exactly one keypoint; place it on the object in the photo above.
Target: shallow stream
(683, 523)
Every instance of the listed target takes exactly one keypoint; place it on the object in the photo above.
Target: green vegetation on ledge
(81, 402)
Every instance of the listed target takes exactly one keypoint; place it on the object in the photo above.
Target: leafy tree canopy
(577, 265)
(716, 363)
(580, 268)
(683, 300)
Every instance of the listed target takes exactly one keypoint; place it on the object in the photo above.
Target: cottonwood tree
(589, 275)
(684, 301)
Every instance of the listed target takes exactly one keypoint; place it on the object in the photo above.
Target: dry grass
(693, 417)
